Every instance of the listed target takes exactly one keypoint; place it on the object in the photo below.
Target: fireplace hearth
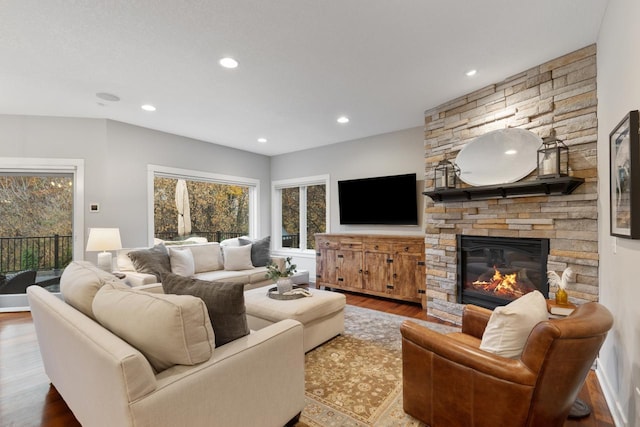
(493, 271)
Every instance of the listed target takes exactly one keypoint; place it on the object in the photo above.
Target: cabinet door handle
(395, 276)
(360, 271)
(375, 247)
(389, 286)
(406, 248)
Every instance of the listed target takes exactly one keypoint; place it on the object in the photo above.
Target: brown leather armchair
(448, 381)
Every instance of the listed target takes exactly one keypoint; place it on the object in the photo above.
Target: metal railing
(291, 241)
(288, 241)
(35, 253)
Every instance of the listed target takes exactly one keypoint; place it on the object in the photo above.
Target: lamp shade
(104, 239)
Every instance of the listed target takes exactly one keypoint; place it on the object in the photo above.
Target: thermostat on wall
(94, 207)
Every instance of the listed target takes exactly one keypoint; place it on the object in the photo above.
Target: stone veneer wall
(558, 95)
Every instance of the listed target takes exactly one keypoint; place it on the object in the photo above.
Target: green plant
(30, 259)
(274, 272)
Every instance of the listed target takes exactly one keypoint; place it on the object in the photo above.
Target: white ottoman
(322, 315)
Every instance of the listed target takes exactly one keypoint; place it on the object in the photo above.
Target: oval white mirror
(499, 157)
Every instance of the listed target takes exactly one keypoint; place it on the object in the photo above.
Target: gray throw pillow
(260, 251)
(151, 261)
(224, 301)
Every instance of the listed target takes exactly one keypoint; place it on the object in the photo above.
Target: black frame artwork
(624, 161)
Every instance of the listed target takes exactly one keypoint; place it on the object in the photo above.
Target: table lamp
(104, 239)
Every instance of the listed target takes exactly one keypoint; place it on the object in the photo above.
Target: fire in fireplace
(493, 271)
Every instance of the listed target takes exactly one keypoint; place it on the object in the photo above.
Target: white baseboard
(619, 418)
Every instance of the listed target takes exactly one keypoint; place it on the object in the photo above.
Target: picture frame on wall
(624, 160)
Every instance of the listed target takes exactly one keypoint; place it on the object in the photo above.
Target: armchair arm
(134, 279)
(474, 320)
(255, 380)
(279, 261)
(462, 354)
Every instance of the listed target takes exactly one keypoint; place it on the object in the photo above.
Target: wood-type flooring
(28, 399)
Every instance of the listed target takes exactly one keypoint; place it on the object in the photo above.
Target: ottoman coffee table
(322, 314)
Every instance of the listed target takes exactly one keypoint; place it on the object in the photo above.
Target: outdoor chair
(17, 283)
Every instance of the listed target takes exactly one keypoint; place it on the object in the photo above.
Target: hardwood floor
(27, 399)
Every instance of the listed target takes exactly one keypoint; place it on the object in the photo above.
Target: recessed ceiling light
(262, 140)
(228, 62)
(471, 73)
(343, 119)
(511, 152)
(148, 107)
(108, 96)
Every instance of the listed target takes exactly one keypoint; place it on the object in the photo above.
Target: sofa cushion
(79, 283)
(206, 257)
(225, 304)
(509, 326)
(168, 329)
(237, 258)
(182, 262)
(123, 261)
(151, 261)
(260, 250)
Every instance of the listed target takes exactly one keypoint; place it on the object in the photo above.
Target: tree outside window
(303, 211)
(218, 211)
(36, 226)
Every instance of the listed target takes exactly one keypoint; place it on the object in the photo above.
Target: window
(300, 210)
(214, 206)
(46, 197)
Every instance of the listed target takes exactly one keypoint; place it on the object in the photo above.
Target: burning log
(511, 285)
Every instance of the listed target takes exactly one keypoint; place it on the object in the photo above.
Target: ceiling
(302, 63)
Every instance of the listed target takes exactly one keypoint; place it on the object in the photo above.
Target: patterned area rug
(356, 378)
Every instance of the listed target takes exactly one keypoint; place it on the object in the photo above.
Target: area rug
(355, 379)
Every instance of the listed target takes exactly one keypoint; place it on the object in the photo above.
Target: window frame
(276, 210)
(74, 167)
(195, 175)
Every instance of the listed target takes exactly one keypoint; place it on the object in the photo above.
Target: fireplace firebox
(493, 271)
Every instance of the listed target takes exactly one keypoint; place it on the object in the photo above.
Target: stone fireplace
(493, 271)
(559, 95)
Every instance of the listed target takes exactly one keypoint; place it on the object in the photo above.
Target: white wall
(618, 93)
(116, 157)
(393, 153)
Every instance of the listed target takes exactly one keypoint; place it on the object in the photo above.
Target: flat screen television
(390, 200)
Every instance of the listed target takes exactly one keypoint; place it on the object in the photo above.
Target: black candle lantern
(553, 158)
(446, 175)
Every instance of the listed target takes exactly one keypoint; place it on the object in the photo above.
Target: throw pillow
(260, 250)
(182, 262)
(168, 329)
(225, 303)
(206, 257)
(151, 261)
(233, 241)
(79, 283)
(237, 258)
(509, 326)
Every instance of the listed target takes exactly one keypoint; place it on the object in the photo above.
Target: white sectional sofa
(255, 380)
(209, 263)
